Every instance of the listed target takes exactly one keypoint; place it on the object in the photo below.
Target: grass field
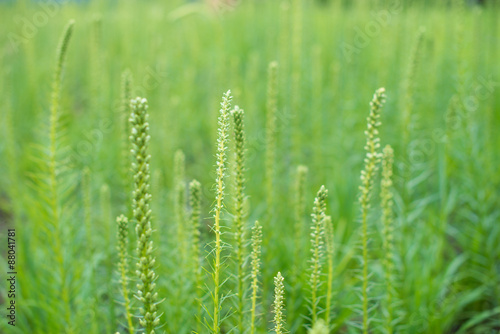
(411, 246)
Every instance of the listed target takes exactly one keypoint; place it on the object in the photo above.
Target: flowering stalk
(409, 89)
(222, 143)
(194, 219)
(142, 215)
(320, 327)
(388, 232)
(272, 97)
(317, 248)
(329, 257)
(279, 305)
(54, 168)
(239, 136)
(255, 257)
(299, 205)
(106, 219)
(87, 207)
(296, 74)
(180, 202)
(122, 235)
(126, 96)
(367, 175)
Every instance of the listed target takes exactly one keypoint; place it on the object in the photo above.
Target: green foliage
(431, 245)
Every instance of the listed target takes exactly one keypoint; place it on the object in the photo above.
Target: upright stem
(367, 175)
(142, 215)
(256, 249)
(239, 136)
(317, 248)
(53, 168)
(222, 142)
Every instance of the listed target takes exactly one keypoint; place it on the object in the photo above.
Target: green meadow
(250, 167)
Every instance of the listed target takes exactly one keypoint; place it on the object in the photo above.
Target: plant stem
(222, 142)
(367, 175)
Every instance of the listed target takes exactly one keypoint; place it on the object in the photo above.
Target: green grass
(64, 159)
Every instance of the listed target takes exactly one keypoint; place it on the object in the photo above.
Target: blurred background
(438, 61)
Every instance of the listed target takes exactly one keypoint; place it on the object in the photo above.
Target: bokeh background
(438, 61)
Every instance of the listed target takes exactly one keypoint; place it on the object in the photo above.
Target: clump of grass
(239, 225)
(317, 248)
(221, 169)
(255, 272)
(146, 294)
(371, 162)
(279, 305)
(388, 233)
(123, 268)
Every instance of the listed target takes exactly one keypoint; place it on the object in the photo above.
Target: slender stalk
(388, 232)
(54, 167)
(141, 202)
(299, 206)
(409, 118)
(194, 219)
(367, 175)
(125, 110)
(317, 248)
(300, 228)
(409, 89)
(180, 203)
(87, 207)
(296, 80)
(255, 257)
(106, 218)
(320, 327)
(96, 65)
(329, 257)
(279, 305)
(123, 268)
(239, 136)
(222, 143)
(271, 140)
